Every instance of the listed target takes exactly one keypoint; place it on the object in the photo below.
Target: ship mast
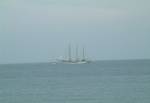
(69, 53)
(77, 58)
(83, 54)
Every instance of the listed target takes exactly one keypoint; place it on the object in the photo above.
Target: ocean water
(97, 82)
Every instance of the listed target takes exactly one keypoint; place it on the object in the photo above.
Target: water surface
(97, 82)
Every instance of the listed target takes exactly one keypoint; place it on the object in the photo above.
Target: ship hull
(73, 62)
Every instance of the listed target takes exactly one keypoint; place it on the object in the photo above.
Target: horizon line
(92, 60)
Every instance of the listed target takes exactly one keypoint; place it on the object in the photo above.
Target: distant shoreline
(113, 60)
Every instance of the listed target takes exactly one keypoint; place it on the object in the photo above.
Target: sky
(40, 30)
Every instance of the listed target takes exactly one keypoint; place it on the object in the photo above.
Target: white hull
(73, 62)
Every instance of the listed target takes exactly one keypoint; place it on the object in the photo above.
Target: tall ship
(77, 60)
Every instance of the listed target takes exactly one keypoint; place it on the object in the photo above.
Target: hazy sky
(38, 30)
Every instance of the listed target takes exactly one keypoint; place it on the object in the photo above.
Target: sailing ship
(76, 60)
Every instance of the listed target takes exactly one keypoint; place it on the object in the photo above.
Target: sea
(121, 81)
